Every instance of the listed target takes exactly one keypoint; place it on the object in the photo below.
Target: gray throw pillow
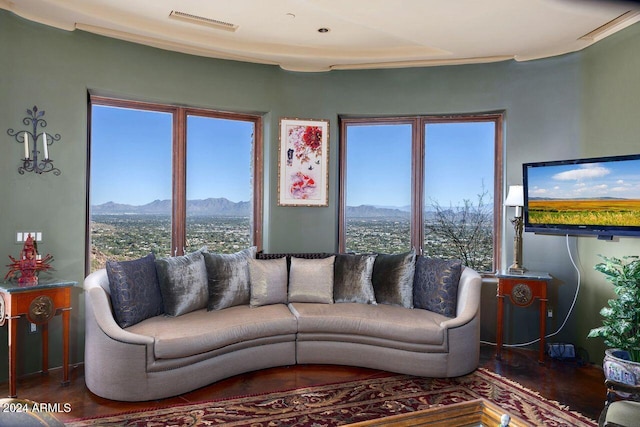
(268, 281)
(229, 282)
(135, 291)
(311, 280)
(435, 285)
(183, 281)
(393, 279)
(352, 279)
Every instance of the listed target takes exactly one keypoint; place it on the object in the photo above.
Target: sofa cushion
(202, 331)
(135, 290)
(183, 282)
(229, 282)
(352, 279)
(393, 278)
(268, 281)
(311, 280)
(378, 321)
(435, 285)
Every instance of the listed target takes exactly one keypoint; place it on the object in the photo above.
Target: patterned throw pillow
(436, 285)
(311, 280)
(393, 278)
(268, 281)
(183, 281)
(352, 279)
(135, 290)
(229, 282)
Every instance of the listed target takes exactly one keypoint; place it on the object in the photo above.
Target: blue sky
(131, 160)
(458, 159)
(131, 157)
(588, 180)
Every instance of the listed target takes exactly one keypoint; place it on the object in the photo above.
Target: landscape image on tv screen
(595, 193)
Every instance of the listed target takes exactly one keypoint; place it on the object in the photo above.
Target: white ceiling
(362, 33)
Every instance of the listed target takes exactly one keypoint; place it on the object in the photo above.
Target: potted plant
(621, 324)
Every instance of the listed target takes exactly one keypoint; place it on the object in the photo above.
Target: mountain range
(206, 207)
(224, 207)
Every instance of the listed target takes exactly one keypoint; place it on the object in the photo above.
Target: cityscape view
(121, 232)
(131, 199)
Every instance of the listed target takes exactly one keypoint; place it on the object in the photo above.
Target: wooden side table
(39, 303)
(523, 290)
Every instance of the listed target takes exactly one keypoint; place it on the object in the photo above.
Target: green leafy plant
(621, 324)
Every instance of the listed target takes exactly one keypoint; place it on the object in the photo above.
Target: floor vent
(195, 19)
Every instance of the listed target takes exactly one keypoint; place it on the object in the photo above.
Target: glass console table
(39, 303)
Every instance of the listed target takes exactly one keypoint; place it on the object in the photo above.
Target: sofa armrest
(469, 290)
(103, 314)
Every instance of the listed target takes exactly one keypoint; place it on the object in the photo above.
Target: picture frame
(303, 163)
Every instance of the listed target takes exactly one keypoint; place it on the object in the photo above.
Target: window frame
(179, 166)
(418, 124)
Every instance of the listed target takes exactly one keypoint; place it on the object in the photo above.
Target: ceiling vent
(201, 20)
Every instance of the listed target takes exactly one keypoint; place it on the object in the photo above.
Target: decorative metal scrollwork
(30, 162)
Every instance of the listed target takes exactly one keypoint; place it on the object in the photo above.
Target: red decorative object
(29, 264)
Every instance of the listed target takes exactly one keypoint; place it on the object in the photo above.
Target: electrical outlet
(33, 328)
(549, 312)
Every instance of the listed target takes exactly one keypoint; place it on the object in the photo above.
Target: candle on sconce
(26, 145)
(46, 149)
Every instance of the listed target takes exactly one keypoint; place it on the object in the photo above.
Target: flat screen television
(596, 196)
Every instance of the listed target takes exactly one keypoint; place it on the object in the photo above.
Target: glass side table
(39, 303)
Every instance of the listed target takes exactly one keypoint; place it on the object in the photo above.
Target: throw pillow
(135, 291)
(352, 279)
(268, 281)
(311, 280)
(435, 286)
(229, 282)
(183, 281)
(393, 278)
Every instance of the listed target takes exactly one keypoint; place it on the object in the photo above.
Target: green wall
(548, 104)
(611, 126)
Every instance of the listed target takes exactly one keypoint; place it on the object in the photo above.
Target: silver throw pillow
(268, 281)
(393, 278)
(228, 278)
(352, 279)
(183, 282)
(311, 280)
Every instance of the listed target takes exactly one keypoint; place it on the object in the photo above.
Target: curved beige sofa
(166, 356)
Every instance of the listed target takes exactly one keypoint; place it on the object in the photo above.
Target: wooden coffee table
(478, 412)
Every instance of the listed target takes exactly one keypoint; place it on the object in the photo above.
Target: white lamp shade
(515, 196)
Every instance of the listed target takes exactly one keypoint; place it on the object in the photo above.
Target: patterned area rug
(350, 402)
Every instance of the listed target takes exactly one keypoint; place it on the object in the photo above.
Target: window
(459, 173)
(218, 183)
(428, 182)
(167, 180)
(378, 188)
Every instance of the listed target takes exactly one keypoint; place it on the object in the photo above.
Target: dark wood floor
(580, 388)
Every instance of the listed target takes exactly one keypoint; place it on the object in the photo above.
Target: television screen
(599, 196)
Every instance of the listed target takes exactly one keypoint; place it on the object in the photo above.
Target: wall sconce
(30, 162)
(515, 197)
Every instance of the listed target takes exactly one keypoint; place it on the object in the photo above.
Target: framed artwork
(303, 172)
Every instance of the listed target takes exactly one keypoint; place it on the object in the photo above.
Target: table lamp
(515, 197)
